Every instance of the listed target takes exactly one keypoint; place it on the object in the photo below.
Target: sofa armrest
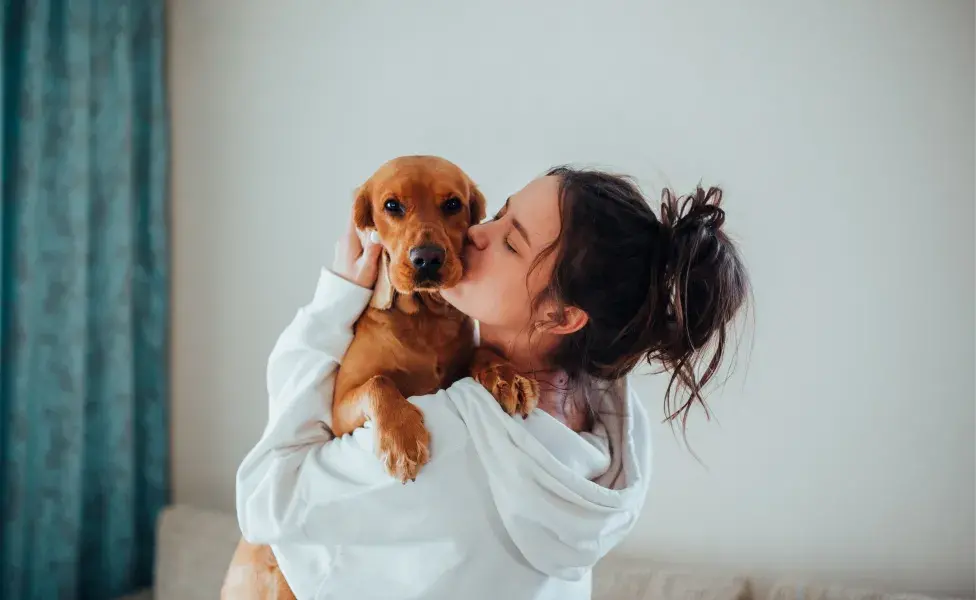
(194, 548)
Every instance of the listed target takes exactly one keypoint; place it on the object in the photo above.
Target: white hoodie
(506, 507)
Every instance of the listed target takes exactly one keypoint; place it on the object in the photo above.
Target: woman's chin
(455, 296)
(451, 295)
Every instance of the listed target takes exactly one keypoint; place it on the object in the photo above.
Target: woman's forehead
(536, 207)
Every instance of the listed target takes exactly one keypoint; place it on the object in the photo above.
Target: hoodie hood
(565, 499)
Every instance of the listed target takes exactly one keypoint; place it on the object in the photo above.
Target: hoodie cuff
(338, 300)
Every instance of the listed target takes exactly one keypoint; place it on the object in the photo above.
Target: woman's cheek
(513, 300)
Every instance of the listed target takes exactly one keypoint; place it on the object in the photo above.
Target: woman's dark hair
(664, 290)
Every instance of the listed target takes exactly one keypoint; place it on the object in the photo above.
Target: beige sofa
(195, 546)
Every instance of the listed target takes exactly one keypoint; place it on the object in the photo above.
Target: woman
(574, 281)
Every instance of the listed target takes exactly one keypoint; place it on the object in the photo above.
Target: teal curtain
(84, 278)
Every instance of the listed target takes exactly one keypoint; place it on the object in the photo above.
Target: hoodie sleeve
(298, 470)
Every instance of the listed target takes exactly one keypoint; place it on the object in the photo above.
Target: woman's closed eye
(510, 247)
(508, 244)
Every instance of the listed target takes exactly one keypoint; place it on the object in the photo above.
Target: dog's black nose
(427, 257)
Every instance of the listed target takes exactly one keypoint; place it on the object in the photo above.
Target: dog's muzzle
(427, 261)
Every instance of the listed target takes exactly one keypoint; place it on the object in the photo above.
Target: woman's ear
(476, 204)
(362, 208)
(572, 320)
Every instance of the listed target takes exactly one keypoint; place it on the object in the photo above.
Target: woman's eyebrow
(518, 226)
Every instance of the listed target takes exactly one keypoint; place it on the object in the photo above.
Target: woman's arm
(297, 464)
(297, 458)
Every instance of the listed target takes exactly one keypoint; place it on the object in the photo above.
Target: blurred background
(175, 173)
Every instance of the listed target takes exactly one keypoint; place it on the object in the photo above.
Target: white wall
(842, 132)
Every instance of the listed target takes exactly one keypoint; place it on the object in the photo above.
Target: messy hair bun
(664, 290)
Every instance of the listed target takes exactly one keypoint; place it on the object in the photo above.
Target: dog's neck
(416, 302)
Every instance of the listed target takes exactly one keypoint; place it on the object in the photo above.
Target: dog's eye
(393, 206)
(452, 206)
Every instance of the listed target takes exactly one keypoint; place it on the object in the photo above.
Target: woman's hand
(356, 257)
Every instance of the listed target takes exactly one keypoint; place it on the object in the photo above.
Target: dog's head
(421, 207)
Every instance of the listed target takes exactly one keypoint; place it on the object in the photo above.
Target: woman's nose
(478, 236)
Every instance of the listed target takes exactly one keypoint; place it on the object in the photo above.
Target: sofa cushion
(792, 590)
(629, 579)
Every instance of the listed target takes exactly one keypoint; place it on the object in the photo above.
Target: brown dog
(408, 342)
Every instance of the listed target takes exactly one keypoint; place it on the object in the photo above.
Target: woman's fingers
(371, 252)
(369, 262)
(357, 256)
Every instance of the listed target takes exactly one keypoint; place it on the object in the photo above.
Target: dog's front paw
(516, 394)
(403, 441)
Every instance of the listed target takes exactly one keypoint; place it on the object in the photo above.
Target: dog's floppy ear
(383, 292)
(362, 208)
(476, 204)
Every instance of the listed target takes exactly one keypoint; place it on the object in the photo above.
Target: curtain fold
(84, 277)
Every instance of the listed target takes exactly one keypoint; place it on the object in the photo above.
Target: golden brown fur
(408, 342)
(421, 344)
(253, 574)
